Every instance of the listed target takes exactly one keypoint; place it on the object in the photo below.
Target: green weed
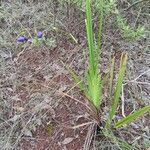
(128, 32)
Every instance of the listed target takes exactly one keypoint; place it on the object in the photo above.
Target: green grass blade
(132, 116)
(111, 76)
(90, 37)
(93, 79)
(115, 99)
(100, 32)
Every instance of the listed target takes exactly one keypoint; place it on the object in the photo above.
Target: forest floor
(40, 106)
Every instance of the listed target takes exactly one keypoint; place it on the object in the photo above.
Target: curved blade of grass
(115, 101)
(132, 116)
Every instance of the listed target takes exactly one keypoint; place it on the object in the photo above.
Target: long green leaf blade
(99, 38)
(90, 37)
(115, 101)
(111, 76)
(132, 116)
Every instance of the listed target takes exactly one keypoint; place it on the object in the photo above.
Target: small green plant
(39, 39)
(128, 32)
(94, 86)
(51, 42)
(108, 5)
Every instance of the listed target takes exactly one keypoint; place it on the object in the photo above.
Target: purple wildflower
(26, 39)
(22, 39)
(39, 34)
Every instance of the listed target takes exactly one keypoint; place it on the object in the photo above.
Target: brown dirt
(55, 132)
(60, 130)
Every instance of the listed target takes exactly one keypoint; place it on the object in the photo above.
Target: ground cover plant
(74, 75)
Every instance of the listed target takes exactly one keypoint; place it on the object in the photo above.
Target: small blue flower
(26, 39)
(22, 39)
(39, 34)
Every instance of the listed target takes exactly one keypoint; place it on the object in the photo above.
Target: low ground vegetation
(68, 74)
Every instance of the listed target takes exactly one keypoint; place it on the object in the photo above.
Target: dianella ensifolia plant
(93, 88)
(95, 83)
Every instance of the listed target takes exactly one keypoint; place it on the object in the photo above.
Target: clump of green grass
(94, 86)
(93, 78)
(128, 32)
